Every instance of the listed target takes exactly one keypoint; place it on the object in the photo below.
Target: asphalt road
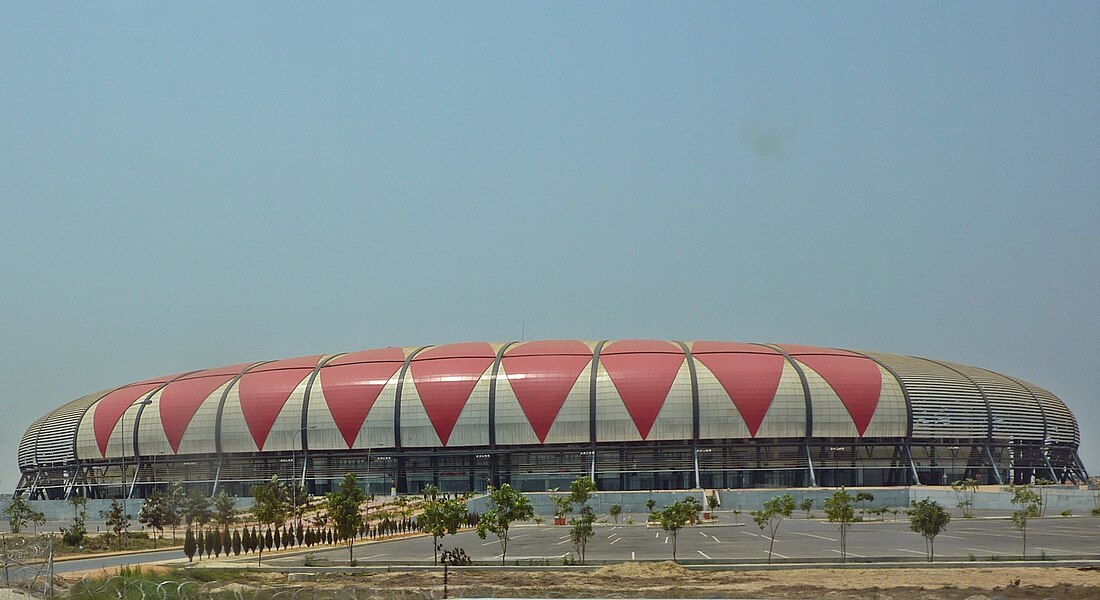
(138, 558)
(797, 539)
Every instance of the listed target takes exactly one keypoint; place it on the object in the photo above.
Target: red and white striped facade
(552, 393)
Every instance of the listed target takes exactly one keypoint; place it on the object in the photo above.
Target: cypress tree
(278, 538)
(268, 539)
(209, 542)
(236, 542)
(189, 544)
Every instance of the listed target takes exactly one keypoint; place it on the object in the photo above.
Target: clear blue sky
(187, 185)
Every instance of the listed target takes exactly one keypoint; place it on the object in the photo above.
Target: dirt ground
(669, 580)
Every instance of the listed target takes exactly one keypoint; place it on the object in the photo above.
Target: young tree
(838, 508)
(344, 508)
(580, 530)
(236, 542)
(506, 506)
(37, 519)
(225, 509)
(270, 507)
(300, 502)
(863, 498)
(153, 515)
(74, 534)
(928, 518)
(581, 526)
(1027, 499)
(1042, 486)
(673, 518)
(79, 505)
(563, 505)
(615, 511)
(196, 509)
(806, 505)
(441, 518)
(771, 516)
(964, 493)
(116, 520)
(173, 507)
(18, 513)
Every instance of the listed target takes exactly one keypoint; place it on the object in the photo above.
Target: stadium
(632, 414)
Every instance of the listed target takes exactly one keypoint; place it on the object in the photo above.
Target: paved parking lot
(797, 539)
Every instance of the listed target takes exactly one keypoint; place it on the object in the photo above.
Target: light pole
(367, 475)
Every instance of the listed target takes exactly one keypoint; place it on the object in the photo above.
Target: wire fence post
(49, 572)
(6, 581)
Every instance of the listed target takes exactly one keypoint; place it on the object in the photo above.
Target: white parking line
(983, 550)
(716, 539)
(779, 555)
(615, 542)
(562, 542)
(820, 537)
(750, 533)
(631, 555)
(703, 554)
(657, 535)
(974, 532)
(703, 533)
(910, 551)
(666, 540)
(514, 537)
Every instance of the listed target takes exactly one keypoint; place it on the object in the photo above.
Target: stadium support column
(993, 464)
(493, 476)
(592, 432)
(400, 485)
(217, 478)
(694, 411)
(1046, 460)
(809, 411)
(912, 465)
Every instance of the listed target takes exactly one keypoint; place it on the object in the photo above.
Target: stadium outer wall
(632, 414)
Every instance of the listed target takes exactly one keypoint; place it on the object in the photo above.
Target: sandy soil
(668, 580)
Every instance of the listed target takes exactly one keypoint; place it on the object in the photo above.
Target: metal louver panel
(30, 442)
(1016, 415)
(1061, 426)
(945, 404)
(58, 435)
